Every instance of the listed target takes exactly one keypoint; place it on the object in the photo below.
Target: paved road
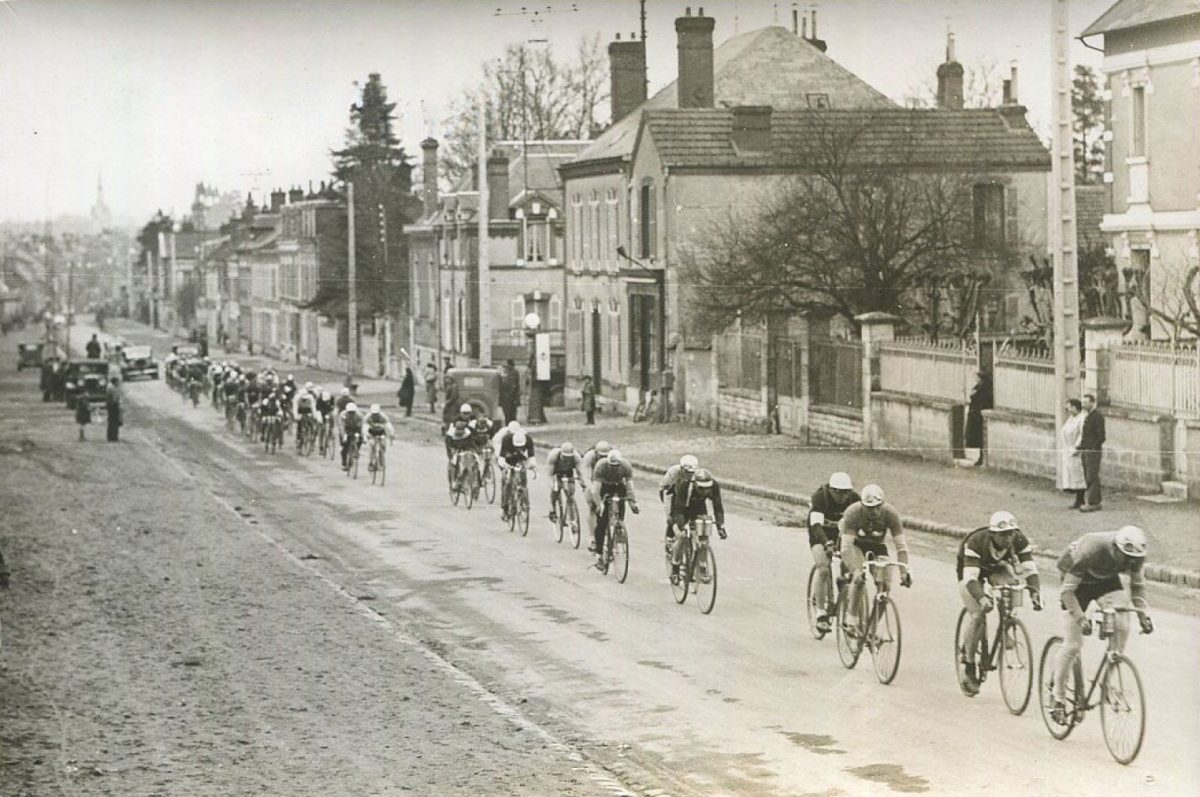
(740, 702)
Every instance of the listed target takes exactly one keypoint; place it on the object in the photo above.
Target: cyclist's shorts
(304, 410)
(1086, 593)
(377, 431)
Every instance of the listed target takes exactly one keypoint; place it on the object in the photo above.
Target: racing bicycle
(826, 602)
(518, 499)
(272, 433)
(615, 554)
(880, 630)
(1010, 652)
(353, 443)
(566, 511)
(376, 460)
(692, 565)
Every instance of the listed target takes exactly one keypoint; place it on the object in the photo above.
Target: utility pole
(1062, 220)
(485, 258)
(351, 293)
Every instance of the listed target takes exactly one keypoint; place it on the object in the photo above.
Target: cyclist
(593, 456)
(505, 432)
(1091, 569)
(289, 388)
(349, 423)
(516, 449)
(482, 428)
(675, 478)
(305, 410)
(563, 461)
(992, 555)
(690, 501)
(378, 425)
(270, 407)
(343, 400)
(459, 440)
(612, 475)
(827, 505)
(863, 529)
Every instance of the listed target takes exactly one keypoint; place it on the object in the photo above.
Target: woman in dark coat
(981, 399)
(112, 404)
(408, 390)
(588, 400)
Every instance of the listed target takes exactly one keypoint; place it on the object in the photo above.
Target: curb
(1163, 574)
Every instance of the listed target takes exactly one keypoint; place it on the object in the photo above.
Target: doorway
(596, 349)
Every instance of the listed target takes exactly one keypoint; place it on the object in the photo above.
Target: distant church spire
(101, 217)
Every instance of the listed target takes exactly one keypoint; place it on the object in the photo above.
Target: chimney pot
(429, 176)
(950, 80)
(1006, 96)
(1013, 97)
(627, 77)
(695, 85)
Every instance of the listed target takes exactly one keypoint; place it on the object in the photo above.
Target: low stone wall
(1021, 443)
(835, 426)
(1190, 448)
(920, 427)
(1138, 450)
(327, 349)
(740, 411)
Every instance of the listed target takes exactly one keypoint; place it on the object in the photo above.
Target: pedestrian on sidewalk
(431, 386)
(588, 401)
(1070, 472)
(510, 391)
(981, 399)
(1091, 447)
(407, 391)
(112, 405)
(93, 348)
(83, 414)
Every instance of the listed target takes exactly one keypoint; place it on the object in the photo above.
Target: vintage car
(479, 387)
(86, 379)
(29, 355)
(138, 361)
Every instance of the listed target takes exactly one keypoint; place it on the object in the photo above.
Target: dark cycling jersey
(978, 550)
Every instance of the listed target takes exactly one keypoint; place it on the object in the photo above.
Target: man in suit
(1090, 449)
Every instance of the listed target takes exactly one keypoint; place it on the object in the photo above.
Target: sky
(157, 95)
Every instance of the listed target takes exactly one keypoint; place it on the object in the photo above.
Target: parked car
(86, 379)
(138, 361)
(29, 355)
(479, 387)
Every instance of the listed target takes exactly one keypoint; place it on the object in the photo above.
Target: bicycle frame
(1100, 616)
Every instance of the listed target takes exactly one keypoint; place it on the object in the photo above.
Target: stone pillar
(877, 328)
(1099, 334)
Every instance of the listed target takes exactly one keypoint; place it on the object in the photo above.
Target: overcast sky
(156, 95)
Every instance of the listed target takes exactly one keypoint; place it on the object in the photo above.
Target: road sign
(541, 347)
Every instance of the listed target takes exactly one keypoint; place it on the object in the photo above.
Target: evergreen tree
(1088, 128)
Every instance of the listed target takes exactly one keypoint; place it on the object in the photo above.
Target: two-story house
(1152, 64)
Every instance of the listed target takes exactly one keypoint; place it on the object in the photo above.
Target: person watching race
(829, 502)
(1091, 569)
(673, 479)
(689, 502)
(515, 450)
(612, 475)
(992, 555)
(562, 462)
(863, 530)
(349, 425)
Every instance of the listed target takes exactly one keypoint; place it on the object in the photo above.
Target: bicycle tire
(1115, 704)
(489, 483)
(704, 579)
(560, 520)
(886, 639)
(960, 653)
(523, 510)
(814, 603)
(679, 583)
(1072, 696)
(620, 552)
(573, 522)
(469, 489)
(848, 648)
(1016, 666)
(381, 468)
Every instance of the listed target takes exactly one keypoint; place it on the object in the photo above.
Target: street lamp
(537, 411)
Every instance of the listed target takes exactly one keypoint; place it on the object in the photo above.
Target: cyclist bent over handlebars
(611, 476)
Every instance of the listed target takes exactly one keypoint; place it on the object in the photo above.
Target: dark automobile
(86, 379)
(138, 361)
(29, 355)
(479, 387)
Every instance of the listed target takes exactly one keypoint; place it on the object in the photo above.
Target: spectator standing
(407, 392)
(112, 404)
(588, 401)
(450, 408)
(431, 386)
(93, 348)
(1070, 472)
(510, 391)
(981, 399)
(83, 414)
(47, 381)
(1091, 446)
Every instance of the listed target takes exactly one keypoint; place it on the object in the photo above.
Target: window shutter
(555, 313)
(1012, 235)
(652, 215)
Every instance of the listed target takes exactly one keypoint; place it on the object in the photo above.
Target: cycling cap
(308, 385)
(351, 407)
(465, 408)
(841, 481)
(815, 519)
(1003, 521)
(872, 495)
(325, 395)
(513, 426)
(290, 377)
(689, 463)
(603, 447)
(374, 408)
(1131, 541)
(614, 457)
(519, 439)
(704, 478)
(567, 448)
(345, 391)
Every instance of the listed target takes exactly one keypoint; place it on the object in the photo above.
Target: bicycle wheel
(679, 582)
(885, 640)
(1072, 695)
(381, 468)
(849, 643)
(469, 488)
(620, 553)
(960, 650)
(1122, 709)
(704, 579)
(573, 520)
(815, 603)
(560, 513)
(1016, 666)
(354, 463)
(489, 483)
(522, 514)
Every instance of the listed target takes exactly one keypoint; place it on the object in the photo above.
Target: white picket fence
(1024, 382)
(1159, 377)
(921, 367)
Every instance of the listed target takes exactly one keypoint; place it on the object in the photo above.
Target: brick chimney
(278, 196)
(950, 79)
(813, 40)
(497, 177)
(1011, 109)
(695, 87)
(429, 176)
(627, 72)
(296, 195)
(752, 128)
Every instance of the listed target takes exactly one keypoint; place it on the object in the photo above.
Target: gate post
(877, 327)
(1099, 334)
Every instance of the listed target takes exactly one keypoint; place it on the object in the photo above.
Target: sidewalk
(931, 497)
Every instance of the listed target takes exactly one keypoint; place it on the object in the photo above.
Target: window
(1138, 111)
(614, 344)
(989, 215)
(817, 100)
(555, 313)
(649, 222)
(517, 312)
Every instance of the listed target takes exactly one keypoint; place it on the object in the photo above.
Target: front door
(596, 348)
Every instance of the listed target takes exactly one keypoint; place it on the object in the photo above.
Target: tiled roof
(187, 244)
(769, 66)
(702, 138)
(1131, 13)
(1089, 212)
